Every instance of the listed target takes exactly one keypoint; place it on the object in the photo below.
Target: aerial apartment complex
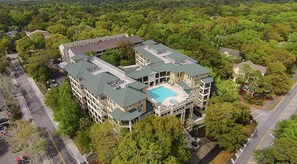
(162, 82)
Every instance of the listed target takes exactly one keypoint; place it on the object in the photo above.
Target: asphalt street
(264, 133)
(57, 151)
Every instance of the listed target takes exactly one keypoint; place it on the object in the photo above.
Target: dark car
(3, 127)
(2, 120)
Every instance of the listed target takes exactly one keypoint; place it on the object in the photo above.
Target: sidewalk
(67, 141)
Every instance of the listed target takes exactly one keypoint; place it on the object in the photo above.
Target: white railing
(163, 109)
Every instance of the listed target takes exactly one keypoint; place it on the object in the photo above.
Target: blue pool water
(161, 93)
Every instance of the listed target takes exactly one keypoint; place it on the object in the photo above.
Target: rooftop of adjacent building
(101, 44)
(255, 67)
(44, 33)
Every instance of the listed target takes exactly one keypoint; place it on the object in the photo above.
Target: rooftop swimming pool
(161, 93)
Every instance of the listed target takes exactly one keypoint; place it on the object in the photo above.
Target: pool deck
(182, 95)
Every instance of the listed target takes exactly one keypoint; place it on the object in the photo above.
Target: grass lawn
(276, 102)
(222, 157)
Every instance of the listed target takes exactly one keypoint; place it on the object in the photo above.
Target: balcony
(164, 109)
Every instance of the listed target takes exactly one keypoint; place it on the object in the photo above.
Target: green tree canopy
(227, 90)
(104, 140)
(66, 110)
(152, 140)
(26, 137)
(287, 129)
(224, 122)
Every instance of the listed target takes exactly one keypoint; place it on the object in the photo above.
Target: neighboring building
(44, 33)
(235, 54)
(163, 82)
(97, 45)
(255, 67)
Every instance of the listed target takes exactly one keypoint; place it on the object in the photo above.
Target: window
(157, 75)
(179, 74)
(145, 78)
(163, 74)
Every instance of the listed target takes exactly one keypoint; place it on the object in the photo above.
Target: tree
(68, 117)
(287, 129)
(227, 90)
(276, 67)
(282, 151)
(38, 40)
(8, 92)
(224, 122)
(4, 63)
(25, 136)
(280, 82)
(152, 140)
(284, 148)
(111, 56)
(52, 44)
(104, 140)
(24, 45)
(66, 110)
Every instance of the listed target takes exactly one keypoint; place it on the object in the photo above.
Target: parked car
(23, 159)
(3, 127)
(2, 120)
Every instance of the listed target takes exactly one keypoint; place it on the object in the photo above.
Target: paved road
(57, 151)
(264, 134)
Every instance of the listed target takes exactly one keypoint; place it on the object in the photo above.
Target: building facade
(163, 82)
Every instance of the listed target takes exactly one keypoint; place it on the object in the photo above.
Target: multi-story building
(163, 82)
(97, 45)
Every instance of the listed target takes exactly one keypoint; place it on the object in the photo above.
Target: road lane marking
(259, 115)
(255, 111)
(55, 146)
(28, 92)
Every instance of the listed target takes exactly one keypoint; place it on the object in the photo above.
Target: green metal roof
(125, 96)
(137, 85)
(160, 47)
(190, 69)
(79, 57)
(183, 85)
(149, 42)
(207, 80)
(147, 54)
(125, 116)
(144, 71)
(162, 67)
(77, 70)
(96, 83)
(177, 56)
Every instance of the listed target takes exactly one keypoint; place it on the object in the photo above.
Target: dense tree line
(226, 117)
(264, 32)
(153, 140)
(66, 110)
